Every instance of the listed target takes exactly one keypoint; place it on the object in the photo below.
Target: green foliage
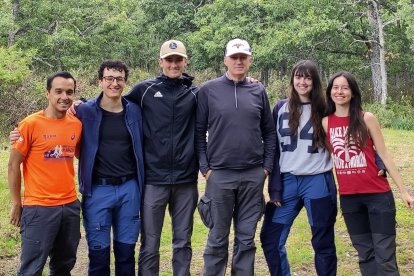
(14, 66)
(396, 115)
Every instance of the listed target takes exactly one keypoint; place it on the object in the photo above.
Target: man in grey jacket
(235, 161)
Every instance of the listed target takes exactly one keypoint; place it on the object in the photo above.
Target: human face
(112, 89)
(303, 86)
(173, 66)
(341, 93)
(60, 96)
(238, 65)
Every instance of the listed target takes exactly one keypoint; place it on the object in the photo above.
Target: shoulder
(131, 105)
(370, 120)
(32, 119)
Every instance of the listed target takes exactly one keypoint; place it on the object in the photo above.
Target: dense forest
(371, 38)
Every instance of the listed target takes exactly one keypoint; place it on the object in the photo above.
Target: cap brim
(238, 52)
(173, 54)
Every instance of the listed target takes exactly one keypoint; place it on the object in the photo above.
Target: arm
(201, 129)
(267, 126)
(275, 185)
(378, 139)
(14, 179)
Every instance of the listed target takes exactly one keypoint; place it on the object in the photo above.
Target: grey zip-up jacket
(241, 130)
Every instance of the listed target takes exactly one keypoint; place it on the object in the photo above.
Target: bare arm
(14, 179)
(376, 135)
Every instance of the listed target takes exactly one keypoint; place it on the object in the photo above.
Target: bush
(397, 115)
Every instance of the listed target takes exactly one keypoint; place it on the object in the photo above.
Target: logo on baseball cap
(238, 46)
(173, 47)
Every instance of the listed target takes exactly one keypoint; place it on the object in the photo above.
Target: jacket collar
(99, 98)
(186, 80)
(232, 82)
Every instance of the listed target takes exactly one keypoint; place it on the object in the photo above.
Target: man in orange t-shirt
(50, 216)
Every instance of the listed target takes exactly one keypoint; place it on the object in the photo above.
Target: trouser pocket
(204, 209)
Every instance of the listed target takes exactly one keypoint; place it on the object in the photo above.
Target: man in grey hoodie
(235, 161)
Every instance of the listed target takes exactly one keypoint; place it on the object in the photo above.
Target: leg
(126, 224)
(63, 254)
(220, 189)
(97, 219)
(182, 205)
(276, 227)
(381, 209)
(319, 194)
(153, 211)
(248, 210)
(39, 228)
(356, 218)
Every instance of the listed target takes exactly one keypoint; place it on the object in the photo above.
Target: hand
(277, 203)
(71, 109)
(14, 136)
(16, 215)
(408, 200)
(266, 173)
(252, 80)
(382, 173)
(208, 174)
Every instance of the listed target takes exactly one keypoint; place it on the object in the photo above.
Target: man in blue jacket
(111, 172)
(235, 161)
(168, 104)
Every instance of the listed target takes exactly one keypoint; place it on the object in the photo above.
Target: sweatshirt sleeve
(275, 186)
(134, 95)
(267, 126)
(201, 129)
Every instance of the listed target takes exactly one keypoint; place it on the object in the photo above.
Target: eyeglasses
(110, 79)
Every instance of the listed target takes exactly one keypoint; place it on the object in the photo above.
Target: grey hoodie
(241, 131)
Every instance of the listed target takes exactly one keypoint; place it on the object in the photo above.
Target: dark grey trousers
(52, 231)
(181, 201)
(370, 220)
(237, 195)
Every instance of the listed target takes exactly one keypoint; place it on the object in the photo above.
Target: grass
(401, 146)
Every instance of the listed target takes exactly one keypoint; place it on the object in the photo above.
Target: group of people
(141, 152)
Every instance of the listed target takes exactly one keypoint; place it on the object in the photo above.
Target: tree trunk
(13, 32)
(377, 53)
(265, 75)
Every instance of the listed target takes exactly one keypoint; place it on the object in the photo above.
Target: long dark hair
(307, 68)
(357, 129)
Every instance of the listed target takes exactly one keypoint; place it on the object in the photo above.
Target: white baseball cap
(238, 46)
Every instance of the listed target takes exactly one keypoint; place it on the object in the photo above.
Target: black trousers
(49, 231)
(370, 220)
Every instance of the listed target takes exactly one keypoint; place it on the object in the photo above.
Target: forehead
(239, 55)
(113, 72)
(174, 58)
(63, 83)
(340, 80)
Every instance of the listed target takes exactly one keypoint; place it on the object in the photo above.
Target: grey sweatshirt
(241, 131)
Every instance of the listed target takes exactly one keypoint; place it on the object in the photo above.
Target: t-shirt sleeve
(24, 142)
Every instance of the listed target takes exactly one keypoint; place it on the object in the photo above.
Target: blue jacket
(91, 116)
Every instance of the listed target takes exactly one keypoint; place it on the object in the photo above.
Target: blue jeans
(116, 207)
(317, 193)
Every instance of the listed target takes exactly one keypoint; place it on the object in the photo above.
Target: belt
(112, 180)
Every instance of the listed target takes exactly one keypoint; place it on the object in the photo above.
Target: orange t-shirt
(48, 146)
